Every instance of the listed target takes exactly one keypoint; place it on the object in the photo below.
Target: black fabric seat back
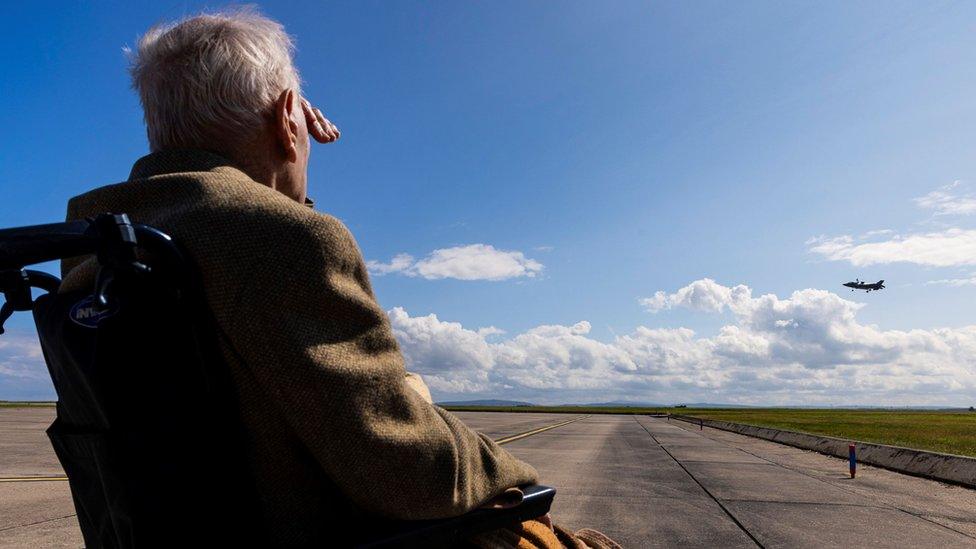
(146, 424)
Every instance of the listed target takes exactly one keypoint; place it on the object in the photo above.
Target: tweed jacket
(335, 432)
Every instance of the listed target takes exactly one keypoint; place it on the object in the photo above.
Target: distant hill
(486, 402)
(620, 404)
(494, 402)
(713, 405)
(628, 404)
(611, 404)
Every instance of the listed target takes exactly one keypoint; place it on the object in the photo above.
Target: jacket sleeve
(311, 330)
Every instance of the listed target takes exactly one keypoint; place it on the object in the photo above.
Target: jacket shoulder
(274, 222)
(228, 223)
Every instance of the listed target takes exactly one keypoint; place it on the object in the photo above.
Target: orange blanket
(533, 534)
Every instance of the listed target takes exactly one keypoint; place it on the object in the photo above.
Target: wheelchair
(147, 427)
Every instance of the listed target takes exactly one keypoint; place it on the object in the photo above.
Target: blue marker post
(852, 458)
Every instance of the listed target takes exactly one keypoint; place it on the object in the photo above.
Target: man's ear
(286, 124)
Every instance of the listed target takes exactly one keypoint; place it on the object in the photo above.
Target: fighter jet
(859, 285)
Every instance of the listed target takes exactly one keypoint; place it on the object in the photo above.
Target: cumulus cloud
(23, 375)
(948, 248)
(876, 233)
(954, 282)
(806, 348)
(399, 263)
(471, 262)
(952, 199)
(556, 357)
(701, 295)
(489, 331)
(452, 358)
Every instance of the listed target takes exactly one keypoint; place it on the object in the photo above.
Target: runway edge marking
(702, 486)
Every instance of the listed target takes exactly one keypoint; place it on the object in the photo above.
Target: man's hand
(319, 126)
(415, 382)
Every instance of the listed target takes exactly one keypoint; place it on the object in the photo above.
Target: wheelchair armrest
(449, 531)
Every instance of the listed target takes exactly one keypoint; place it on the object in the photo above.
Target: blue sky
(585, 156)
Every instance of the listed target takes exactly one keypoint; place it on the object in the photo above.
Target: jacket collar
(181, 161)
(178, 161)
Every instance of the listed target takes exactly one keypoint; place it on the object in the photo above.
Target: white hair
(210, 81)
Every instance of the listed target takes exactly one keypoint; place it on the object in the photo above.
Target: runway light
(852, 458)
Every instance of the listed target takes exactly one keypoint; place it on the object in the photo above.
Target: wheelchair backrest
(147, 427)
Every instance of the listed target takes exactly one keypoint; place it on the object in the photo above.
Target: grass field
(952, 432)
(949, 432)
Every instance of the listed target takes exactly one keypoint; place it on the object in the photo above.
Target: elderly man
(337, 429)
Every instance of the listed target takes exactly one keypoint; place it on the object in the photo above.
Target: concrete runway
(652, 483)
(646, 482)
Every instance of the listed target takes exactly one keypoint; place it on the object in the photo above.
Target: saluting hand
(319, 126)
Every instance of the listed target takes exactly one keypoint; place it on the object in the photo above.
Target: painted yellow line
(30, 479)
(519, 436)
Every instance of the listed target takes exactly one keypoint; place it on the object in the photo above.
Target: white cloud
(655, 303)
(490, 331)
(557, 357)
(701, 295)
(806, 348)
(954, 282)
(877, 232)
(948, 248)
(476, 262)
(452, 358)
(399, 263)
(947, 200)
(471, 262)
(23, 375)
(18, 356)
(951, 246)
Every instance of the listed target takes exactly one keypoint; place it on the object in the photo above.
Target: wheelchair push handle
(24, 246)
(112, 238)
(16, 286)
